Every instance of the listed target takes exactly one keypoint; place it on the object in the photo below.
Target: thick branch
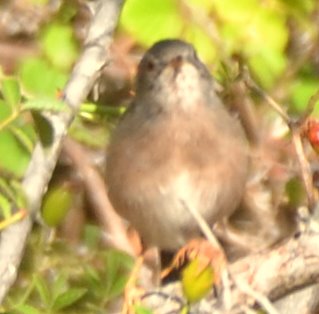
(273, 274)
(42, 164)
(288, 267)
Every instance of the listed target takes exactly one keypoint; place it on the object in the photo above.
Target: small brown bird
(175, 147)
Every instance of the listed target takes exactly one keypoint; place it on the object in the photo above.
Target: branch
(42, 164)
(97, 193)
(271, 274)
(290, 266)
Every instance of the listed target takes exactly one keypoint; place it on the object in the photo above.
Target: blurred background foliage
(40, 40)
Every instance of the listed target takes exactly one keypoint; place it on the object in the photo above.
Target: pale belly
(162, 215)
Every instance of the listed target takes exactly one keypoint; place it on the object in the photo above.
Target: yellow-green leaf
(56, 204)
(150, 23)
(197, 281)
(11, 92)
(59, 44)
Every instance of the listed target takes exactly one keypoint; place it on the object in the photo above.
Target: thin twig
(252, 85)
(207, 231)
(204, 227)
(304, 166)
(294, 127)
(97, 192)
(257, 296)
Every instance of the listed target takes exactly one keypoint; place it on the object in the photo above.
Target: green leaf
(117, 267)
(5, 207)
(18, 194)
(299, 6)
(259, 32)
(138, 309)
(5, 110)
(302, 90)
(44, 128)
(39, 77)
(92, 273)
(197, 280)
(267, 66)
(6, 189)
(150, 23)
(68, 12)
(203, 43)
(14, 157)
(56, 204)
(295, 192)
(11, 195)
(27, 309)
(68, 298)
(22, 137)
(11, 92)
(207, 5)
(60, 285)
(59, 45)
(43, 290)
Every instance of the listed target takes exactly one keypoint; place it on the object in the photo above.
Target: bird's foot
(204, 252)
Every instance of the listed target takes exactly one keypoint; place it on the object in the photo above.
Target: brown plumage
(175, 145)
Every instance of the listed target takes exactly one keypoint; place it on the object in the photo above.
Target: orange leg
(205, 252)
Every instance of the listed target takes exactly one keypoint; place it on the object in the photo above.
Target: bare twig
(295, 128)
(252, 85)
(304, 166)
(246, 110)
(204, 227)
(97, 192)
(43, 161)
(257, 296)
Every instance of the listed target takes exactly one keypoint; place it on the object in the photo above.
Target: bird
(176, 147)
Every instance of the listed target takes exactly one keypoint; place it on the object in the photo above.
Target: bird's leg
(206, 254)
(144, 275)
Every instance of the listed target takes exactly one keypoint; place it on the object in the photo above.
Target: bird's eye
(150, 65)
(179, 59)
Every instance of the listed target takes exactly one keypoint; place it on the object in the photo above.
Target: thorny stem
(295, 129)
(251, 84)
(304, 165)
